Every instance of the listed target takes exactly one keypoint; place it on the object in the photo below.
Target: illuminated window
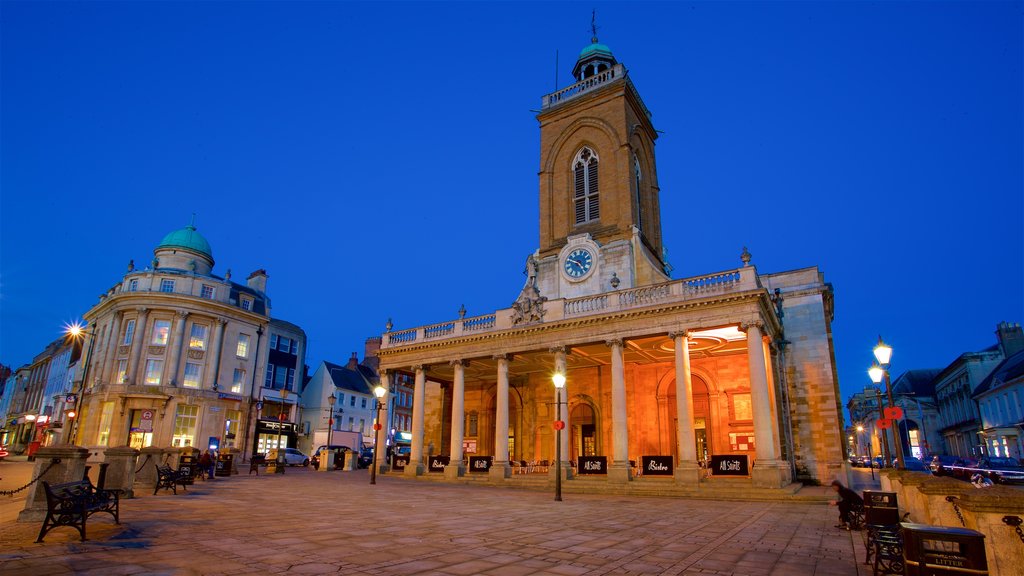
(197, 341)
(167, 285)
(185, 425)
(584, 170)
(106, 417)
(242, 350)
(122, 372)
(161, 331)
(231, 419)
(238, 380)
(129, 331)
(153, 370)
(193, 374)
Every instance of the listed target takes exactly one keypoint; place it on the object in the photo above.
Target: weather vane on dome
(593, 26)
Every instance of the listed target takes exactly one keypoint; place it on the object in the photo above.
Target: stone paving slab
(305, 522)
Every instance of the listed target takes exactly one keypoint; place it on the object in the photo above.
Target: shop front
(271, 434)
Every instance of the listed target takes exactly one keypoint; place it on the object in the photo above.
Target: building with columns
(731, 363)
(178, 356)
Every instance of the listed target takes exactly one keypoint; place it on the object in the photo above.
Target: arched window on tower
(638, 182)
(584, 169)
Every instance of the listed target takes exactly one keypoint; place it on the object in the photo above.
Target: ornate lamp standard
(379, 392)
(74, 332)
(281, 461)
(878, 372)
(330, 419)
(559, 380)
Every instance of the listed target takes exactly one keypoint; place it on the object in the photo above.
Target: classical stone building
(734, 363)
(179, 356)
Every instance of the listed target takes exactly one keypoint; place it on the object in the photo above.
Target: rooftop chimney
(258, 281)
(1011, 338)
(370, 350)
(353, 362)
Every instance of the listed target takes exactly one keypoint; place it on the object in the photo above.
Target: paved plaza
(306, 522)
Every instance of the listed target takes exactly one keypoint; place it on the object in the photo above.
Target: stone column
(415, 467)
(217, 351)
(562, 411)
(177, 342)
(687, 470)
(384, 419)
(110, 354)
(500, 468)
(619, 471)
(55, 465)
(139, 341)
(768, 471)
(121, 469)
(455, 467)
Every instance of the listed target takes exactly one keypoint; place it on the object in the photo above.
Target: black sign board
(656, 465)
(437, 463)
(730, 465)
(480, 463)
(400, 462)
(592, 465)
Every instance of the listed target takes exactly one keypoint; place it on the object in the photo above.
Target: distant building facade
(179, 355)
(1000, 397)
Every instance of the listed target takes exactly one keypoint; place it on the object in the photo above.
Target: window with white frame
(207, 292)
(122, 372)
(161, 332)
(364, 403)
(242, 350)
(291, 378)
(133, 285)
(185, 425)
(193, 375)
(106, 418)
(280, 377)
(231, 420)
(154, 368)
(273, 341)
(197, 340)
(129, 332)
(166, 285)
(352, 401)
(268, 380)
(295, 346)
(351, 423)
(584, 170)
(246, 303)
(237, 381)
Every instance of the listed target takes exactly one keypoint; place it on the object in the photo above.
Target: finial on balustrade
(388, 326)
(462, 311)
(745, 257)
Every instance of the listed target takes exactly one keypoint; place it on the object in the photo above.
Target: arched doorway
(583, 435)
(702, 418)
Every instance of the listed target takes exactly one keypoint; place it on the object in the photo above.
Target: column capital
(458, 362)
(142, 310)
(681, 333)
(183, 314)
(506, 357)
(557, 349)
(613, 342)
(746, 326)
(418, 367)
(222, 321)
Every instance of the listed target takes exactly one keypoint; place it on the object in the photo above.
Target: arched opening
(583, 435)
(702, 419)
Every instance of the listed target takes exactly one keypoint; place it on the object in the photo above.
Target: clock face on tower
(578, 263)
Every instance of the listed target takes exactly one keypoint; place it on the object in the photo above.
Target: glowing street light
(559, 381)
(379, 392)
(879, 372)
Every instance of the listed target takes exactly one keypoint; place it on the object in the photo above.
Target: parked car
(914, 464)
(878, 462)
(3, 452)
(315, 459)
(366, 457)
(940, 464)
(1001, 470)
(292, 457)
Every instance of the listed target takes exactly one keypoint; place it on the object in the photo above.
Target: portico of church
(689, 369)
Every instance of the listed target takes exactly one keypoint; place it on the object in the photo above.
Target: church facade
(727, 368)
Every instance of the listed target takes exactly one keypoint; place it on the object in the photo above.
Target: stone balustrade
(583, 86)
(695, 288)
(939, 501)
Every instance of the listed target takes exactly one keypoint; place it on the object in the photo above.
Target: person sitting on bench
(847, 499)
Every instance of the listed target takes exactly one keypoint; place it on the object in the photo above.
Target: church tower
(600, 222)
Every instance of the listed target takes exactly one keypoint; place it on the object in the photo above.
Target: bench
(886, 546)
(169, 479)
(71, 504)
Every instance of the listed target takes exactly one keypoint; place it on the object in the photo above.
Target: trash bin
(339, 459)
(881, 508)
(224, 463)
(188, 468)
(943, 551)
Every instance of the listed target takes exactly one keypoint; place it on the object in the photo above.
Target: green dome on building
(595, 49)
(187, 239)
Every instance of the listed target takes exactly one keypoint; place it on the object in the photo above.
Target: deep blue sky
(381, 159)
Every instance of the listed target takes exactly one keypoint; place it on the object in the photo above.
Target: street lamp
(280, 460)
(559, 380)
(74, 332)
(330, 419)
(878, 372)
(379, 392)
(860, 430)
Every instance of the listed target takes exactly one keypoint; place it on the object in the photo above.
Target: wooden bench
(169, 479)
(71, 504)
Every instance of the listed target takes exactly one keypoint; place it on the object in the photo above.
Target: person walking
(206, 464)
(847, 500)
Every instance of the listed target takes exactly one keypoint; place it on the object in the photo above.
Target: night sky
(380, 159)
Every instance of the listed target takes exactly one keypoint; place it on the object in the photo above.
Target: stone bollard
(326, 462)
(121, 469)
(352, 461)
(149, 458)
(61, 463)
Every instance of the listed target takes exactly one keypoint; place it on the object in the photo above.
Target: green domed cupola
(594, 59)
(188, 239)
